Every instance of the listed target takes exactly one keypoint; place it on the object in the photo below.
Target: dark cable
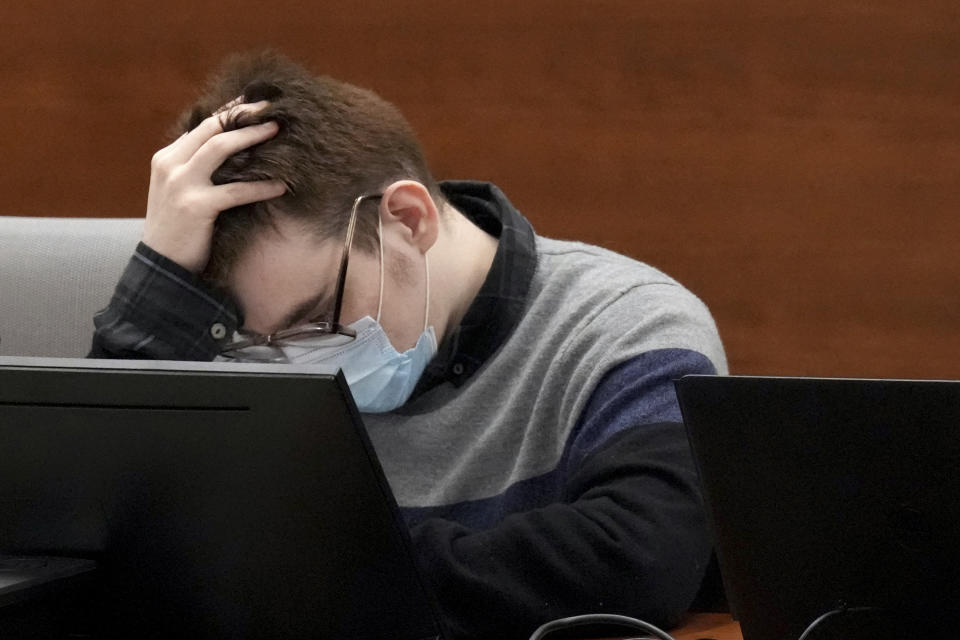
(843, 608)
(598, 619)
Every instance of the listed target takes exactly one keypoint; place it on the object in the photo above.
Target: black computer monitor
(217, 499)
(835, 504)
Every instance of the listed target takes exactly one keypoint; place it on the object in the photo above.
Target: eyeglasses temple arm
(345, 256)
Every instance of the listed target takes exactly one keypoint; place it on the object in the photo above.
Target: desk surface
(701, 626)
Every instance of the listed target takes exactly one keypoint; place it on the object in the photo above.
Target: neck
(459, 263)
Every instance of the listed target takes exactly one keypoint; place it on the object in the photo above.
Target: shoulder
(612, 307)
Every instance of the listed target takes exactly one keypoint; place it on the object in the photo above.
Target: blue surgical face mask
(380, 377)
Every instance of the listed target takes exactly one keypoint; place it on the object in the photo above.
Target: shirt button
(458, 369)
(218, 331)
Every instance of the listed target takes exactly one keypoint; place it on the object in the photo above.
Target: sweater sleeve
(629, 537)
(161, 311)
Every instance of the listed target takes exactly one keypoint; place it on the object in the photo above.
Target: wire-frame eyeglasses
(250, 345)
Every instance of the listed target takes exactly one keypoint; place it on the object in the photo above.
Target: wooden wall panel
(796, 163)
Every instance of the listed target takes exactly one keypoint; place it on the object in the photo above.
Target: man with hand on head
(517, 389)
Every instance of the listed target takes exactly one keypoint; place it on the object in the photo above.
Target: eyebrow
(304, 310)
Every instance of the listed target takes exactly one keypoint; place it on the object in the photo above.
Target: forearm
(159, 310)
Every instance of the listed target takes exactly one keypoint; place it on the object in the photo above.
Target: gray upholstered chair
(55, 273)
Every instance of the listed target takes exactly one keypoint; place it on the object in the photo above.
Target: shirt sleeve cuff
(161, 310)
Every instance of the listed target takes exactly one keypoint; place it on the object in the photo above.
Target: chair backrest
(55, 273)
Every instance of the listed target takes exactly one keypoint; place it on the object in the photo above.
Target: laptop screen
(829, 495)
(219, 500)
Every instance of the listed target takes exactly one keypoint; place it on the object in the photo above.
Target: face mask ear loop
(380, 238)
(426, 305)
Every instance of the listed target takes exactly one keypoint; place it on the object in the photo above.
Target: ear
(408, 205)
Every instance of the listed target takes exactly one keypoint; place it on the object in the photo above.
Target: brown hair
(336, 142)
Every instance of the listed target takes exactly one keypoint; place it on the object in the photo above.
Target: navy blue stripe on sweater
(635, 393)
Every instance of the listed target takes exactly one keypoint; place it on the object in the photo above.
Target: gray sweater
(557, 479)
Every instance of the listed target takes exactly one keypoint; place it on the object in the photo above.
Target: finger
(223, 145)
(234, 194)
(230, 105)
(187, 145)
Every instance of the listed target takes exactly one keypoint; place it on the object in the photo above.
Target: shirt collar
(499, 304)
